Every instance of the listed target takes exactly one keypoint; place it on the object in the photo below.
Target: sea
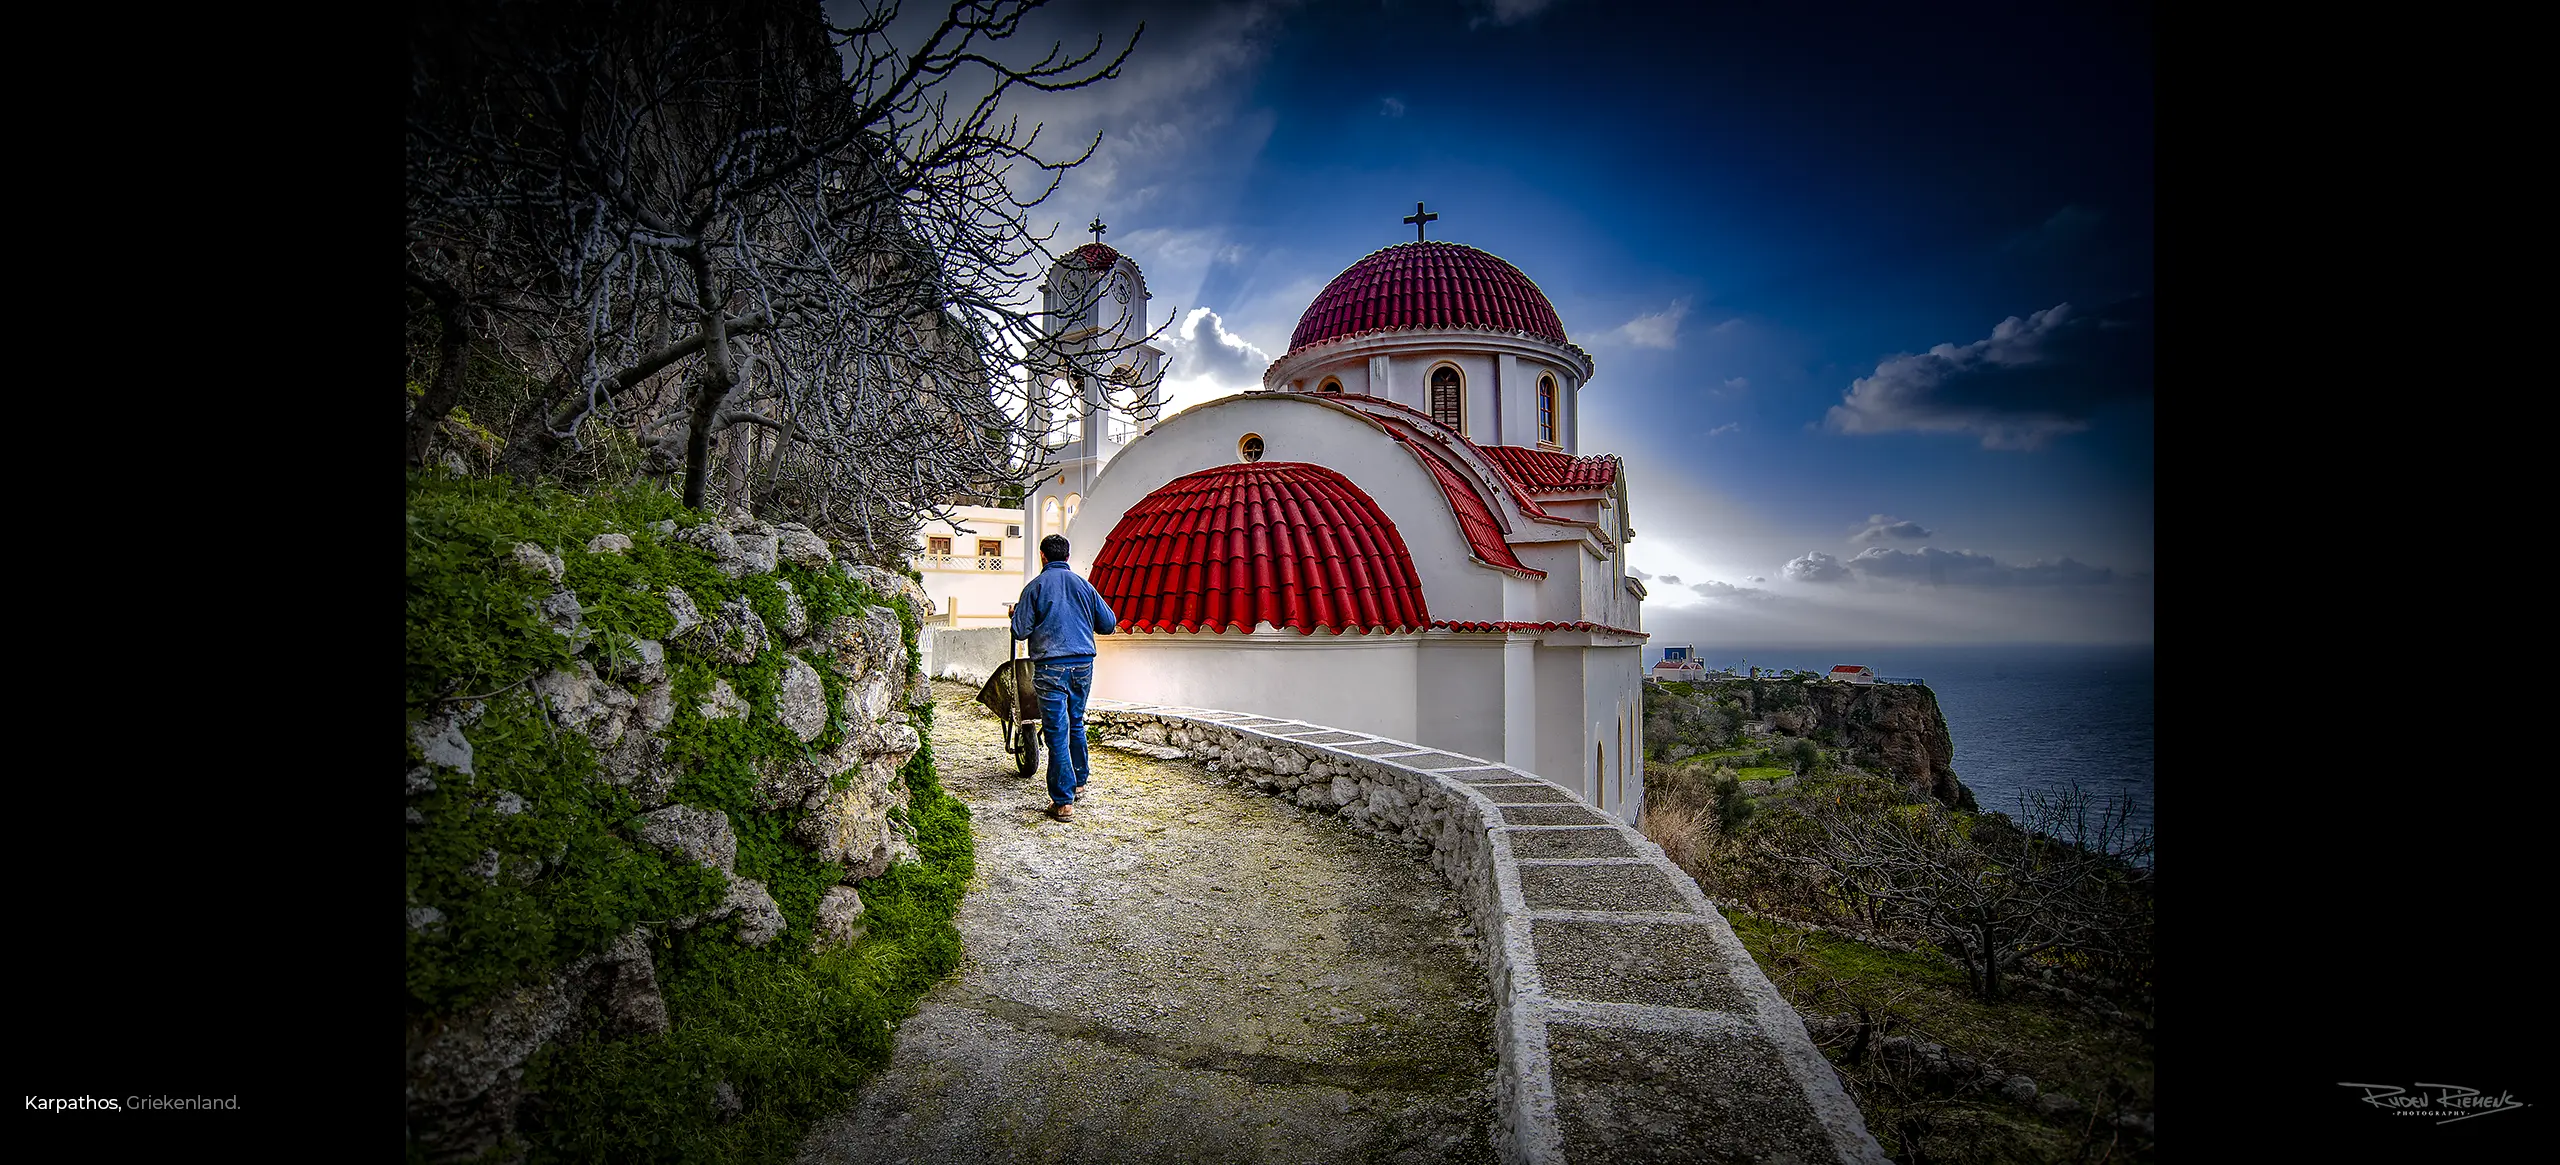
(2023, 719)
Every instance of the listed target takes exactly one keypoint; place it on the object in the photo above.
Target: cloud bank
(2030, 381)
(1942, 568)
(1881, 528)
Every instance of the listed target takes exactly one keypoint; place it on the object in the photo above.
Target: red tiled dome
(1427, 285)
(1093, 256)
(1278, 542)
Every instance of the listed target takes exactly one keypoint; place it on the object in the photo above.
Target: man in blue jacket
(1060, 614)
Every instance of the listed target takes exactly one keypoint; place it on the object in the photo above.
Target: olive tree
(683, 219)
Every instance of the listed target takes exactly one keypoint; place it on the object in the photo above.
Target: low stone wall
(1630, 1023)
(966, 654)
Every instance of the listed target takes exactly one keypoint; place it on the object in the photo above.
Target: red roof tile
(1444, 435)
(1853, 667)
(1094, 256)
(1576, 625)
(1547, 472)
(1427, 285)
(1278, 542)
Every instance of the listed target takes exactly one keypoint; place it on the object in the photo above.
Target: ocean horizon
(2023, 718)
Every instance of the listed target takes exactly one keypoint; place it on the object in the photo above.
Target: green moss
(790, 1030)
(1763, 772)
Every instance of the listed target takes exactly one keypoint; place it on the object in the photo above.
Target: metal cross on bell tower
(1096, 227)
(1417, 218)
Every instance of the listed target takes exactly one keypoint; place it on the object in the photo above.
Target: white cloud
(1727, 427)
(1938, 568)
(2030, 381)
(1205, 361)
(1659, 329)
(1754, 578)
(1390, 107)
(1725, 590)
(1738, 384)
(1815, 566)
(1882, 528)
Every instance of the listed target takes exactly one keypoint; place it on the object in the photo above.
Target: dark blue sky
(1789, 234)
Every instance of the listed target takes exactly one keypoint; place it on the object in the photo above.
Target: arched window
(1329, 385)
(1600, 775)
(1074, 502)
(1546, 410)
(1445, 395)
(1049, 517)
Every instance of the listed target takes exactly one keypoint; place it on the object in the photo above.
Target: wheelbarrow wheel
(1026, 751)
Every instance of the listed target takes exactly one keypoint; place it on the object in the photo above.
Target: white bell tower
(1100, 393)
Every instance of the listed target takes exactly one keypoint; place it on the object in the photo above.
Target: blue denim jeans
(1064, 686)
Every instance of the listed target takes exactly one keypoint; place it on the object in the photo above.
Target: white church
(1399, 533)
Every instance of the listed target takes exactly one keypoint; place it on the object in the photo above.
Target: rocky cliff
(632, 746)
(1895, 729)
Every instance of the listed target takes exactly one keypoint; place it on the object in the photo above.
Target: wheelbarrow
(1014, 697)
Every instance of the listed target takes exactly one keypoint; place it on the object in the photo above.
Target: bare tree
(681, 219)
(1987, 890)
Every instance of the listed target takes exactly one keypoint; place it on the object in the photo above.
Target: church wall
(1564, 745)
(1611, 708)
(1366, 683)
(1460, 702)
(1454, 587)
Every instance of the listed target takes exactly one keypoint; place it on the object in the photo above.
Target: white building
(1398, 533)
(1852, 673)
(972, 565)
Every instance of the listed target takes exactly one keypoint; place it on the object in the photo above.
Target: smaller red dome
(1092, 256)
(1278, 542)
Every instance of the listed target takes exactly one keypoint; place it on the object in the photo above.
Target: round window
(1251, 447)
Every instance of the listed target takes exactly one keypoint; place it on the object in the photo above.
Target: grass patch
(1763, 773)
(2100, 1064)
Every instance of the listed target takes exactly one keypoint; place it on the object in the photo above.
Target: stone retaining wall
(1630, 1023)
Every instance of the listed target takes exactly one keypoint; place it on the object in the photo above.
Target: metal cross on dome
(1096, 227)
(1417, 218)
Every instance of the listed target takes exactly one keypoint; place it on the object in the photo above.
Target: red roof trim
(1475, 519)
(1576, 625)
(1278, 542)
(1852, 667)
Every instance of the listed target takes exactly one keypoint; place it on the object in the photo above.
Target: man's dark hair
(1053, 548)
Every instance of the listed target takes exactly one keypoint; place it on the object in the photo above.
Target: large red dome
(1427, 285)
(1285, 543)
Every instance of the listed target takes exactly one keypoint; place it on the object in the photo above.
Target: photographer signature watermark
(2442, 1103)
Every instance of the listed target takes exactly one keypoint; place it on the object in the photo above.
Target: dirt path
(1186, 972)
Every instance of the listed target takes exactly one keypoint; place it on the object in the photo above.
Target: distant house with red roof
(1852, 673)
(1397, 534)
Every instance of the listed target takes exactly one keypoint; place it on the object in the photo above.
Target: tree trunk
(453, 348)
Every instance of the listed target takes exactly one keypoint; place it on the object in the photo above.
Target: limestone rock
(757, 554)
(423, 917)
(440, 741)
(627, 979)
(733, 634)
(884, 584)
(803, 699)
(725, 1102)
(795, 614)
(799, 545)
(851, 825)
(713, 540)
(1345, 791)
(609, 544)
(537, 560)
(663, 527)
(581, 701)
(680, 605)
(2019, 1089)
(698, 835)
(567, 618)
(642, 661)
(760, 921)
(839, 918)
(722, 702)
(420, 781)
(508, 804)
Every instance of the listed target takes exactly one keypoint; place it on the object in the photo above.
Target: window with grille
(1547, 410)
(1445, 395)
